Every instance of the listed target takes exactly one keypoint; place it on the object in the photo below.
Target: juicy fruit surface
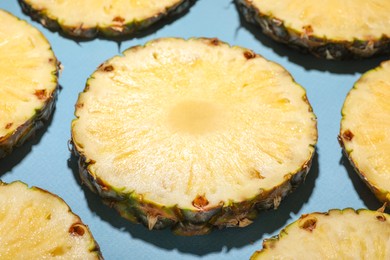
(27, 73)
(332, 19)
(101, 13)
(338, 234)
(194, 124)
(365, 127)
(35, 224)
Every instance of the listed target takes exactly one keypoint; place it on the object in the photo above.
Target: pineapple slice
(365, 129)
(331, 29)
(337, 234)
(28, 81)
(35, 224)
(88, 18)
(192, 134)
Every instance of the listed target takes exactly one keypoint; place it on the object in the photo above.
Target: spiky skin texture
(306, 42)
(15, 137)
(187, 222)
(43, 226)
(115, 29)
(370, 93)
(336, 234)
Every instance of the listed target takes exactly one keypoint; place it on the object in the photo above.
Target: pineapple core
(195, 117)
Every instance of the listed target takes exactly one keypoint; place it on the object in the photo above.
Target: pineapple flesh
(337, 234)
(88, 18)
(331, 29)
(28, 81)
(192, 134)
(365, 129)
(35, 224)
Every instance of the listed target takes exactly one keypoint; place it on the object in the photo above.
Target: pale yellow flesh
(332, 19)
(101, 13)
(339, 235)
(27, 65)
(179, 119)
(366, 114)
(36, 225)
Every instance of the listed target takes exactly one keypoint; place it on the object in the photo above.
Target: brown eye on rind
(200, 202)
(348, 135)
(77, 229)
(308, 224)
(249, 55)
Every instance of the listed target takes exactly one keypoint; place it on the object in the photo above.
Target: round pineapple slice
(337, 234)
(35, 224)
(192, 134)
(28, 81)
(365, 129)
(331, 29)
(88, 18)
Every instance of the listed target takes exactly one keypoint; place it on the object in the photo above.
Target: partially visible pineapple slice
(192, 134)
(337, 234)
(28, 81)
(365, 129)
(35, 224)
(332, 29)
(88, 18)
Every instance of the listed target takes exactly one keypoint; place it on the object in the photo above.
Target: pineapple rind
(92, 251)
(110, 31)
(313, 44)
(382, 194)
(270, 245)
(26, 130)
(183, 220)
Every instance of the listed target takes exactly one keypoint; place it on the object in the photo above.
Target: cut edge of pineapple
(166, 51)
(365, 131)
(37, 224)
(317, 235)
(28, 82)
(105, 20)
(309, 38)
(364, 20)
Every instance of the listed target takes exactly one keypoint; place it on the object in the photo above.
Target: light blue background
(331, 183)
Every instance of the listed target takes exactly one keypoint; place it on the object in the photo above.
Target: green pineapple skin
(94, 247)
(317, 46)
(188, 222)
(110, 31)
(269, 243)
(27, 130)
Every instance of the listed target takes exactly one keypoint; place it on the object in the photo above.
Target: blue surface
(331, 183)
